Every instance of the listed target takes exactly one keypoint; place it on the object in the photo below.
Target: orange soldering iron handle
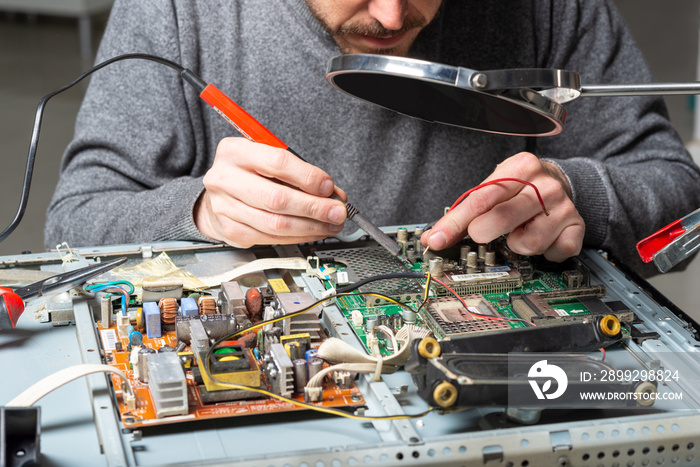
(239, 118)
(247, 125)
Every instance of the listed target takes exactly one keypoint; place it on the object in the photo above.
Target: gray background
(40, 54)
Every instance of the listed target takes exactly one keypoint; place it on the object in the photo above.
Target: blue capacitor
(135, 337)
(188, 307)
(311, 353)
(151, 315)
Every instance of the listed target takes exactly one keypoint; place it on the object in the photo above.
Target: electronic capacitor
(490, 258)
(188, 307)
(402, 238)
(409, 316)
(435, 266)
(464, 251)
(472, 259)
(396, 322)
(370, 324)
(315, 365)
(481, 250)
(300, 374)
(135, 337)
(389, 345)
(310, 354)
(402, 235)
(142, 363)
(417, 233)
(411, 253)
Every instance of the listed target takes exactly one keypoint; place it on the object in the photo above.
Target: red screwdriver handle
(11, 308)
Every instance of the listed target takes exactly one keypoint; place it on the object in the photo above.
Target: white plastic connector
(328, 293)
(129, 401)
(357, 318)
(313, 394)
(122, 323)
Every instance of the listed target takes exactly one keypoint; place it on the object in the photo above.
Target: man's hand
(512, 208)
(259, 195)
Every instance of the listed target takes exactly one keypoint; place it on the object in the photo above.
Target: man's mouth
(380, 42)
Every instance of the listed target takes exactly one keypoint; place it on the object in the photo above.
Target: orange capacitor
(253, 303)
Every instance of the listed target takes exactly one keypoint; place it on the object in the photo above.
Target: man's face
(374, 26)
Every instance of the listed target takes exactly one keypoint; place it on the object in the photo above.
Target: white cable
(262, 264)
(351, 359)
(41, 388)
(335, 350)
(388, 332)
(317, 380)
(377, 376)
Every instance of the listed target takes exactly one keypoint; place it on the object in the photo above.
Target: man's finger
(271, 196)
(269, 223)
(280, 164)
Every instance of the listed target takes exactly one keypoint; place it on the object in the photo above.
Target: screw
(480, 80)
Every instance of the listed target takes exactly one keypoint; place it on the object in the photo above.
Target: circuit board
(250, 346)
(198, 409)
(443, 313)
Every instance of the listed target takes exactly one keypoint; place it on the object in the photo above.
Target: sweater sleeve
(132, 172)
(629, 171)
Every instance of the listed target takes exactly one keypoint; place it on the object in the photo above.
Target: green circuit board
(443, 313)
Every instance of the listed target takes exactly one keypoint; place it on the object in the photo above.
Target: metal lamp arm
(645, 89)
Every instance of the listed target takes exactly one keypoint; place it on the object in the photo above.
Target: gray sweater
(144, 139)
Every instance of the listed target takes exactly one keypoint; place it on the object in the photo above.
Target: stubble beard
(372, 29)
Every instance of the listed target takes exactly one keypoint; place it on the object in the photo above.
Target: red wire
(476, 315)
(498, 180)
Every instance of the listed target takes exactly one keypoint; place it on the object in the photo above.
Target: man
(151, 162)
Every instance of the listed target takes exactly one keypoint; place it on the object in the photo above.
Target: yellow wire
(328, 410)
(207, 364)
(427, 287)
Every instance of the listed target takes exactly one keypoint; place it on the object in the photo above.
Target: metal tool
(524, 102)
(672, 244)
(12, 301)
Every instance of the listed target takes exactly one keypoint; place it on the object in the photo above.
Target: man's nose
(390, 13)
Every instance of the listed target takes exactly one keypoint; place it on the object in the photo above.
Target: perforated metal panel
(367, 262)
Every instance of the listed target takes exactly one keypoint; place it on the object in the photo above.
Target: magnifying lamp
(522, 102)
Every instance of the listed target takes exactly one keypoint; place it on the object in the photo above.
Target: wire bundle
(113, 287)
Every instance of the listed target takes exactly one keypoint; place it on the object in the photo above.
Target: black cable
(186, 74)
(379, 277)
